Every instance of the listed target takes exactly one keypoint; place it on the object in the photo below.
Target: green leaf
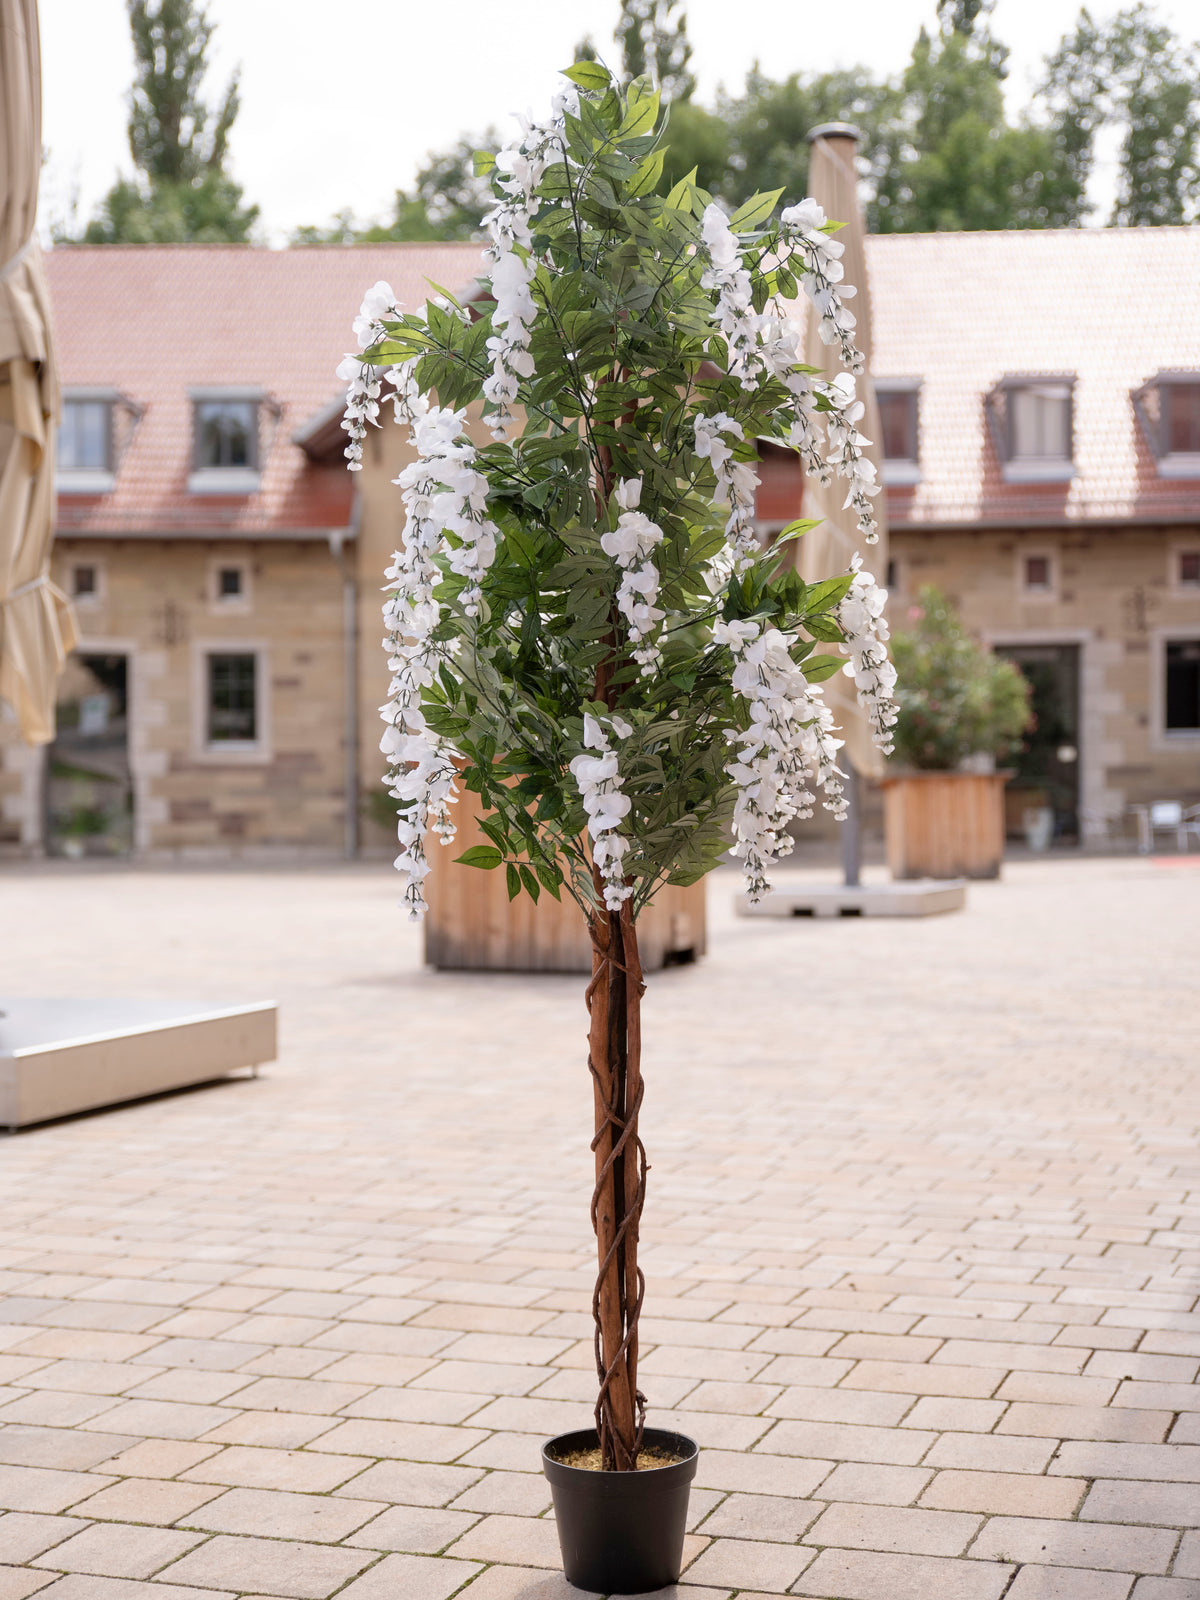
(514, 881)
(754, 211)
(588, 75)
(532, 887)
(818, 668)
(645, 178)
(640, 117)
(797, 530)
(485, 162)
(680, 197)
(481, 855)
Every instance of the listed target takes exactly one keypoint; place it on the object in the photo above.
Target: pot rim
(648, 1481)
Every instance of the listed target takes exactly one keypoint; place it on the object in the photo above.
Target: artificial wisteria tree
(583, 628)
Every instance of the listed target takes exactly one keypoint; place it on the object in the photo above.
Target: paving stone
(522, 1583)
(1085, 1422)
(1187, 1561)
(875, 1484)
(530, 1541)
(415, 1528)
(525, 1494)
(276, 1514)
(760, 1474)
(87, 1586)
(1075, 1544)
(945, 1413)
(118, 1550)
(268, 1566)
(749, 1563)
(17, 1582)
(1011, 1493)
(896, 1528)
(305, 1471)
(869, 1575)
(22, 1445)
(761, 1516)
(1166, 1589)
(25, 1534)
(1069, 1583)
(1171, 1505)
(411, 1441)
(161, 1419)
(145, 1500)
(845, 1442)
(1166, 1463)
(411, 1483)
(42, 1489)
(414, 1577)
(158, 1458)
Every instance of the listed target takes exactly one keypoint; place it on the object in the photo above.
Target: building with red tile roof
(1041, 401)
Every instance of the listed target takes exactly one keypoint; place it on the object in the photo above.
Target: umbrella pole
(852, 826)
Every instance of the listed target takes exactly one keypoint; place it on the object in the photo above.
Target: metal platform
(60, 1056)
(923, 897)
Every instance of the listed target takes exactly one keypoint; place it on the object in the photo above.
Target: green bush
(956, 699)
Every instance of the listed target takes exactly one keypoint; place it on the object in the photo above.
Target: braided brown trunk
(614, 1057)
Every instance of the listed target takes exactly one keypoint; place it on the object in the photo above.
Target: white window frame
(901, 471)
(1033, 469)
(233, 604)
(99, 595)
(228, 480)
(1036, 593)
(90, 480)
(1176, 549)
(229, 752)
(1162, 738)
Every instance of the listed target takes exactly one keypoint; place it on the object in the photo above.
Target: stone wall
(157, 603)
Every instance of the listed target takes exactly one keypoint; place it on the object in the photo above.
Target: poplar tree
(181, 192)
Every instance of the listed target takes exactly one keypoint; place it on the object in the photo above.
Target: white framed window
(899, 429)
(1183, 566)
(1034, 423)
(229, 585)
(87, 582)
(1168, 409)
(85, 456)
(1037, 574)
(231, 701)
(226, 446)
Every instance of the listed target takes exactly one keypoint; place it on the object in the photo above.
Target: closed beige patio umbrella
(833, 184)
(36, 626)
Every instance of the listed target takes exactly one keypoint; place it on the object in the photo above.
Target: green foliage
(956, 699)
(181, 193)
(653, 38)
(622, 344)
(1135, 74)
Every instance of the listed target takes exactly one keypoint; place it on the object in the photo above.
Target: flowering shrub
(955, 698)
(583, 626)
(605, 557)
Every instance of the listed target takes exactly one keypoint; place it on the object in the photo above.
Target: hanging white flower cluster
(442, 492)
(735, 315)
(362, 393)
(860, 616)
(512, 267)
(800, 227)
(737, 483)
(631, 545)
(600, 781)
(845, 455)
(788, 746)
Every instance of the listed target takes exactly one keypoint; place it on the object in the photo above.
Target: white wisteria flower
(734, 313)
(861, 617)
(600, 782)
(631, 545)
(737, 483)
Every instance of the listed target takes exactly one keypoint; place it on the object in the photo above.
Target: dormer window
(85, 442)
(1168, 408)
(1033, 424)
(225, 443)
(898, 416)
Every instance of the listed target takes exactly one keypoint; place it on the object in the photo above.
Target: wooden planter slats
(945, 824)
(472, 924)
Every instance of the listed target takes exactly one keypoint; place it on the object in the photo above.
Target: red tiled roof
(1114, 306)
(957, 310)
(154, 321)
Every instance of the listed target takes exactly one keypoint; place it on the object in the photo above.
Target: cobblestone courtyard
(923, 1280)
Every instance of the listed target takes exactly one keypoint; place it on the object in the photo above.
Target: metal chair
(1166, 816)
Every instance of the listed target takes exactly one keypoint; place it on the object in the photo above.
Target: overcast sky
(341, 101)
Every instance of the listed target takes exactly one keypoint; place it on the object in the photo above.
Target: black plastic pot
(621, 1532)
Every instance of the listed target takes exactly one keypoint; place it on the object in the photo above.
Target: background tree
(181, 191)
(653, 38)
(1136, 74)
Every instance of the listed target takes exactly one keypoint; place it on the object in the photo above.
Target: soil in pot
(621, 1532)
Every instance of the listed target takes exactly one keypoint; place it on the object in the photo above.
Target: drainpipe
(345, 564)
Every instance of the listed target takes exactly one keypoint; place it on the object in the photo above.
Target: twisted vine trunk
(614, 998)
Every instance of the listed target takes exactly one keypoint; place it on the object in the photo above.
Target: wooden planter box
(471, 922)
(945, 824)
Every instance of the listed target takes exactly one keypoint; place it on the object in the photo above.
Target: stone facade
(1113, 592)
(157, 605)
